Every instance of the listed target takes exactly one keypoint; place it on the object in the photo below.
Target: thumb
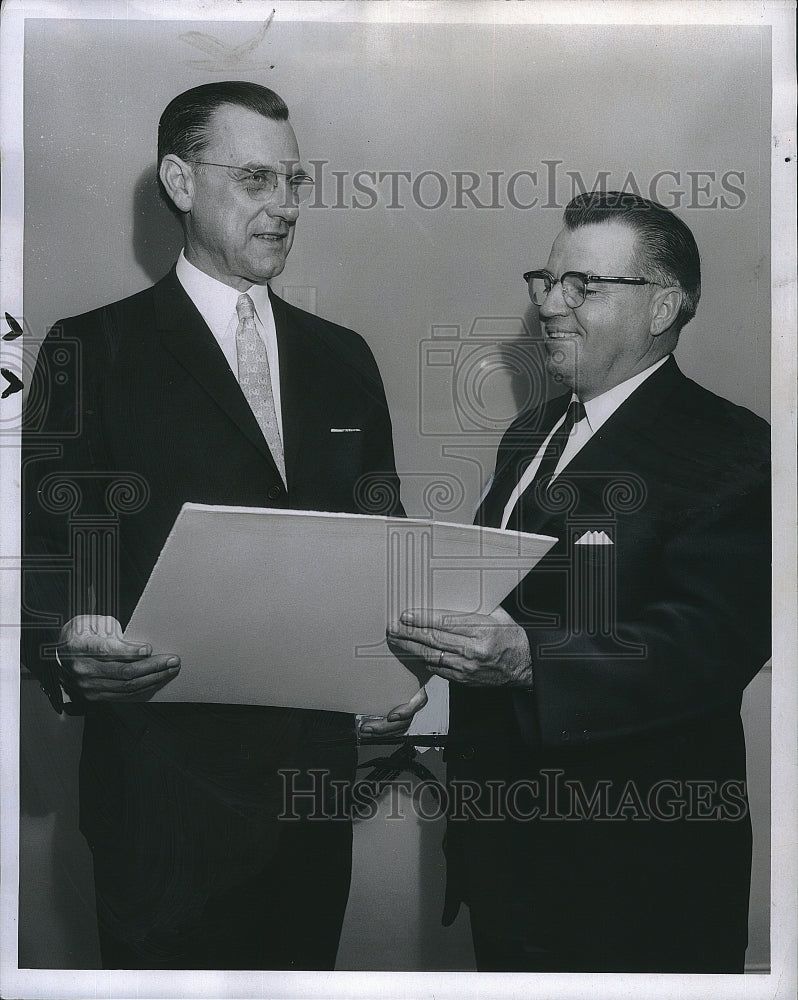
(409, 709)
(99, 635)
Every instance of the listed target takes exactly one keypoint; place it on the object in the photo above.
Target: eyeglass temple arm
(591, 277)
(302, 176)
(616, 280)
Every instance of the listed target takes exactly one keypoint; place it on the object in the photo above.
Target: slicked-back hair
(183, 128)
(666, 249)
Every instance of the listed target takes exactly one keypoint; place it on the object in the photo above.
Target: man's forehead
(602, 248)
(246, 136)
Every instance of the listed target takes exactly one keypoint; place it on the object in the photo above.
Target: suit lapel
(518, 449)
(621, 445)
(186, 336)
(304, 384)
(625, 441)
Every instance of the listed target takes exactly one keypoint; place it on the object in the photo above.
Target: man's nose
(554, 304)
(283, 203)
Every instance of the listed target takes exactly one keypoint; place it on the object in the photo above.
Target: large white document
(289, 608)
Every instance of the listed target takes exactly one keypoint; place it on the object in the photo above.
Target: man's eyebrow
(256, 165)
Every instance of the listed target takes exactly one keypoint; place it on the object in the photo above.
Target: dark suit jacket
(641, 651)
(134, 411)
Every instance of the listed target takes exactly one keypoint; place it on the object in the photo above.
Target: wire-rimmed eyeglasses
(574, 285)
(261, 182)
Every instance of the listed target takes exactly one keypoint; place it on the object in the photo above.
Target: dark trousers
(288, 916)
(218, 836)
(555, 886)
(496, 954)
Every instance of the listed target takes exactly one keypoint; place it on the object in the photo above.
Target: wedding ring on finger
(440, 659)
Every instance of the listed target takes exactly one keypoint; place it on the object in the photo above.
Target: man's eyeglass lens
(262, 183)
(573, 288)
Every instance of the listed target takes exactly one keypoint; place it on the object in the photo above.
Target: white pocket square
(345, 430)
(594, 538)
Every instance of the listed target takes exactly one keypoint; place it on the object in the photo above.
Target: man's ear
(177, 178)
(665, 306)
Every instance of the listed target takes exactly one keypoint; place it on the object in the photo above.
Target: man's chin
(262, 271)
(561, 367)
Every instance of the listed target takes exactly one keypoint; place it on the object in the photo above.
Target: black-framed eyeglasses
(261, 182)
(574, 285)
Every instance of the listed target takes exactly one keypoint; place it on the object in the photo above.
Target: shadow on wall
(523, 361)
(157, 234)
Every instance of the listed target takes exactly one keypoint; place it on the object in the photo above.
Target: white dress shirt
(597, 412)
(216, 303)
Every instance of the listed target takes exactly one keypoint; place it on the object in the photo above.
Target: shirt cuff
(64, 693)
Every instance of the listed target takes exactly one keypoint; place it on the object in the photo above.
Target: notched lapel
(304, 384)
(618, 454)
(186, 336)
(529, 435)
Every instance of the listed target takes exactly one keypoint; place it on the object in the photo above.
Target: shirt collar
(601, 408)
(215, 300)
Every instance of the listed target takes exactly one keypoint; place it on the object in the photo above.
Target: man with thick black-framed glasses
(598, 813)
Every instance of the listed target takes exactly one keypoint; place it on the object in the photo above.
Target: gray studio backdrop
(443, 156)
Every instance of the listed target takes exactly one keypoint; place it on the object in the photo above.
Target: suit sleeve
(700, 634)
(378, 490)
(58, 454)
(380, 452)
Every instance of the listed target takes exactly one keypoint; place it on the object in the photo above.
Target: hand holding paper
(99, 665)
(397, 720)
(473, 649)
(294, 613)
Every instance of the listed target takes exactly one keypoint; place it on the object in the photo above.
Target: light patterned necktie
(254, 377)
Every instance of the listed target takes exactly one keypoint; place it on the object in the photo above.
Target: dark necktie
(555, 447)
(552, 455)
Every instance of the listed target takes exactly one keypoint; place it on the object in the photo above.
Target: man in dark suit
(598, 814)
(208, 388)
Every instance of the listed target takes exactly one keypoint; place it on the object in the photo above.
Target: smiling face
(230, 235)
(613, 335)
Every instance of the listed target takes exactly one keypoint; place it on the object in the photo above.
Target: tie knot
(245, 307)
(576, 412)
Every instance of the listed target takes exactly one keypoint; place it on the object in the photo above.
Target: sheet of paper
(289, 608)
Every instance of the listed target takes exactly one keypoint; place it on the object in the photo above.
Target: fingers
(478, 666)
(114, 680)
(98, 664)
(456, 623)
(454, 632)
(398, 719)
(382, 727)
(100, 637)
(429, 658)
(115, 671)
(412, 653)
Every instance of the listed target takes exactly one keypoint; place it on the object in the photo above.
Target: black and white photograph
(398, 537)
